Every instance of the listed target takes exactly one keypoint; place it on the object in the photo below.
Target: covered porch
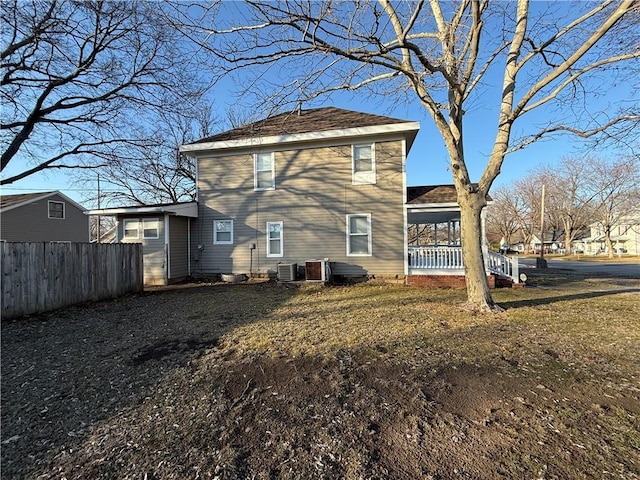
(433, 236)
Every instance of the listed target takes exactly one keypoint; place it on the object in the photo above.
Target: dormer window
(264, 172)
(364, 164)
(56, 209)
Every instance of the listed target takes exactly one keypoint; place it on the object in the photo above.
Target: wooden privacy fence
(43, 276)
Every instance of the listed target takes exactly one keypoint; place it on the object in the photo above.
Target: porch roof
(431, 194)
(434, 194)
(433, 204)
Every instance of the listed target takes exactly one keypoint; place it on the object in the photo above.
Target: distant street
(622, 270)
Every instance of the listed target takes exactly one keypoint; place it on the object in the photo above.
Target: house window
(264, 172)
(364, 164)
(131, 229)
(150, 228)
(359, 235)
(56, 209)
(223, 232)
(274, 239)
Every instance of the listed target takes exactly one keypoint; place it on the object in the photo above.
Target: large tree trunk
(478, 293)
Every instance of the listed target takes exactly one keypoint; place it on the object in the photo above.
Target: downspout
(189, 246)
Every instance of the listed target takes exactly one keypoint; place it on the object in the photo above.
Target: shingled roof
(303, 121)
(433, 194)
(19, 198)
(9, 202)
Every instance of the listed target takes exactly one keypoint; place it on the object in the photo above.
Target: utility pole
(99, 218)
(540, 261)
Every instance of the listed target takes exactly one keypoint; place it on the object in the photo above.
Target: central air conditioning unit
(317, 270)
(287, 272)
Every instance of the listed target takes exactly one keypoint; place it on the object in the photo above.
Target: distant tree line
(580, 191)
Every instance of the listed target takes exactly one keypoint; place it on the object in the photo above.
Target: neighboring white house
(550, 245)
(625, 238)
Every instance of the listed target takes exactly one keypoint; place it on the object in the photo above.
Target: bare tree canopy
(76, 75)
(581, 192)
(517, 57)
(154, 172)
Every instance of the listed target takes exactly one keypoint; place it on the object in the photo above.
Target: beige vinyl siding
(178, 243)
(153, 250)
(31, 223)
(313, 195)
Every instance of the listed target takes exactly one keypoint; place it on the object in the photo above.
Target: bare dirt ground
(368, 381)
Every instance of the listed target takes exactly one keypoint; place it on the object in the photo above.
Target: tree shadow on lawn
(64, 371)
(534, 302)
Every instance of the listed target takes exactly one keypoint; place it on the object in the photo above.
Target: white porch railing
(503, 265)
(442, 259)
(436, 258)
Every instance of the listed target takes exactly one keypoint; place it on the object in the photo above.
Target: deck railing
(450, 258)
(436, 257)
(503, 265)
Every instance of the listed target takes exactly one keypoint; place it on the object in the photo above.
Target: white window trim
(255, 172)
(64, 210)
(363, 178)
(157, 220)
(124, 228)
(216, 231)
(369, 235)
(281, 254)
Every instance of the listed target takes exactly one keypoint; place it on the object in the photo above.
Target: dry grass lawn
(358, 382)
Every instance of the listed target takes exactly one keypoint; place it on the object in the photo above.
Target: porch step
(503, 282)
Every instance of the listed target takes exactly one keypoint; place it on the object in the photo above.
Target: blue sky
(427, 162)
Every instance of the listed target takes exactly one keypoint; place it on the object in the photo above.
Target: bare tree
(569, 204)
(615, 189)
(504, 214)
(76, 75)
(154, 171)
(444, 55)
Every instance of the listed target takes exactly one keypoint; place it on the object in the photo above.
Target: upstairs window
(56, 209)
(364, 164)
(274, 239)
(223, 232)
(150, 228)
(359, 235)
(131, 229)
(264, 172)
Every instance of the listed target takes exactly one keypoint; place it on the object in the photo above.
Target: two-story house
(323, 183)
(302, 191)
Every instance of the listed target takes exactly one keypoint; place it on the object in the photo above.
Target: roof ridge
(318, 119)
